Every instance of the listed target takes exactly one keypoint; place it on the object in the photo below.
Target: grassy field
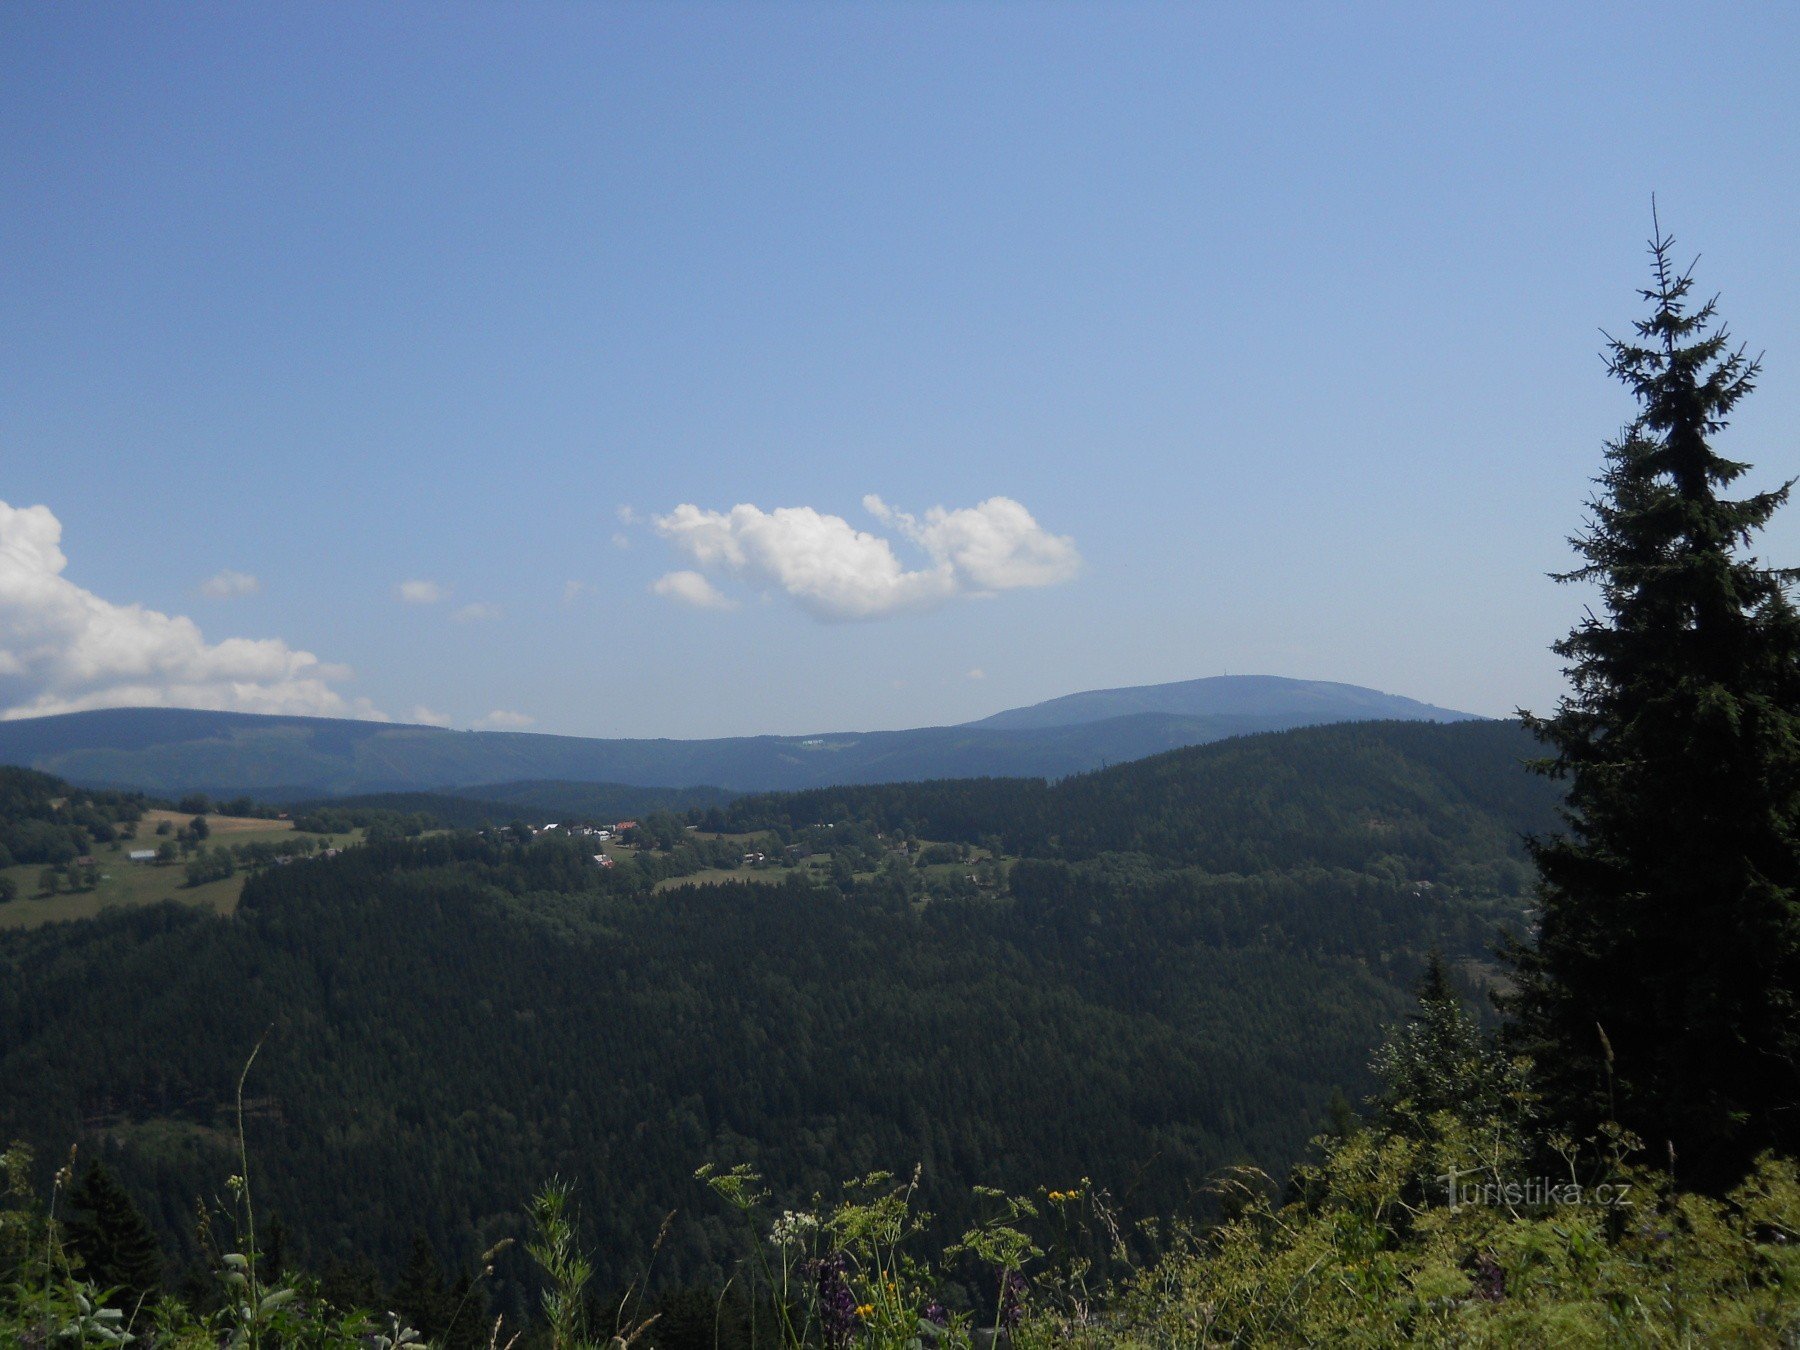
(713, 876)
(123, 882)
(939, 878)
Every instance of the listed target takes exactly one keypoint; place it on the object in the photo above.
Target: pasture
(123, 882)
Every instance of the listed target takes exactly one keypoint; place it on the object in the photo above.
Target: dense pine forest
(1164, 969)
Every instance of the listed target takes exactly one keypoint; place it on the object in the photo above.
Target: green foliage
(1441, 1064)
(1361, 1264)
(567, 1271)
(1436, 1226)
(113, 1244)
(211, 865)
(1665, 985)
(845, 1271)
(44, 820)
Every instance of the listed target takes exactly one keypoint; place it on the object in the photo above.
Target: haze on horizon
(717, 370)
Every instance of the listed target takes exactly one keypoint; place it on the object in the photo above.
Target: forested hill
(173, 750)
(1345, 795)
(1189, 956)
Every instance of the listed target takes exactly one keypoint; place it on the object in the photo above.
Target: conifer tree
(1661, 990)
(419, 1294)
(112, 1239)
(1439, 1062)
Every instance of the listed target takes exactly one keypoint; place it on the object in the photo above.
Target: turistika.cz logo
(1464, 1188)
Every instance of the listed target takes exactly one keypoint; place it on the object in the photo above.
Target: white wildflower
(792, 1227)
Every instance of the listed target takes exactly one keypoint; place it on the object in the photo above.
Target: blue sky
(1275, 330)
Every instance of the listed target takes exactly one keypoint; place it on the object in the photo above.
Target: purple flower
(1488, 1280)
(837, 1305)
(936, 1314)
(1012, 1299)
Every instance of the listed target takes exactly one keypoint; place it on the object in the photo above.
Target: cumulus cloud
(996, 546)
(574, 590)
(976, 674)
(478, 612)
(421, 592)
(64, 649)
(424, 716)
(501, 719)
(836, 571)
(690, 588)
(227, 583)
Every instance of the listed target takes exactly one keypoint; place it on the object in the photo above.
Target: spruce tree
(1661, 992)
(1439, 1062)
(117, 1250)
(424, 1295)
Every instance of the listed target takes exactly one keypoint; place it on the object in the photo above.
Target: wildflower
(1012, 1299)
(837, 1306)
(1488, 1280)
(865, 1311)
(792, 1228)
(936, 1314)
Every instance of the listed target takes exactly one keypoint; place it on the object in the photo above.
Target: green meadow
(124, 883)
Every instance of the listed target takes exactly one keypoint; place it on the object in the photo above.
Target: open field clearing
(239, 828)
(716, 876)
(123, 882)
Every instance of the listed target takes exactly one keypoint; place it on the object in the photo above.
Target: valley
(1138, 975)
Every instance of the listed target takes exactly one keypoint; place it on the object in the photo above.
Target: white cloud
(836, 571)
(225, 584)
(574, 590)
(503, 720)
(690, 588)
(976, 674)
(478, 612)
(996, 546)
(626, 515)
(424, 716)
(64, 649)
(420, 592)
(621, 539)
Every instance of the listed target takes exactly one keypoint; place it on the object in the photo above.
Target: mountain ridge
(169, 750)
(1221, 695)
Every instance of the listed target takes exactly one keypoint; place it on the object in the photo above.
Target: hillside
(1349, 794)
(172, 750)
(1308, 702)
(1178, 986)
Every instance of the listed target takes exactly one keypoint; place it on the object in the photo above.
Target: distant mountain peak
(1315, 701)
